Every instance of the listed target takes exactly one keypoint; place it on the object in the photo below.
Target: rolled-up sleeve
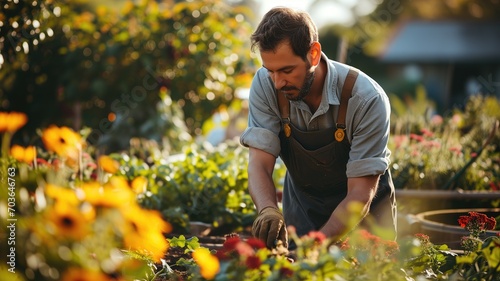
(370, 129)
(263, 117)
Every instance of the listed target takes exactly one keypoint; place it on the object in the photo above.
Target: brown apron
(316, 181)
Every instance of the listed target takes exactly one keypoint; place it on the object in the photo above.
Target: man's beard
(306, 86)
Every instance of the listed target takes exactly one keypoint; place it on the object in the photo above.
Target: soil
(174, 254)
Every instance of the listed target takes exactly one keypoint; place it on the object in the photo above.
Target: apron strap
(284, 108)
(350, 79)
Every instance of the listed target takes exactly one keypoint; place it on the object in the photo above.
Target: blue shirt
(367, 119)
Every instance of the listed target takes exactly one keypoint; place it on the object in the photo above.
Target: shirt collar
(329, 95)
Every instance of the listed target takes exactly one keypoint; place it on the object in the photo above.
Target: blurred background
(173, 72)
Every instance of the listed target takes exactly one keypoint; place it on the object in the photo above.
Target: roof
(444, 41)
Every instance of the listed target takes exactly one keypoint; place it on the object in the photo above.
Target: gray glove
(269, 226)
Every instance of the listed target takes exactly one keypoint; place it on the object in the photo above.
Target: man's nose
(278, 80)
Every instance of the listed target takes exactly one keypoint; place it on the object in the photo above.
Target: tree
(129, 72)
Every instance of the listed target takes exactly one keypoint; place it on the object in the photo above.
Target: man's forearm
(353, 208)
(260, 179)
(344, 218)
(263, 193)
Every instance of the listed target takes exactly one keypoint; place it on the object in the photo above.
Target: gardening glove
(269, 226)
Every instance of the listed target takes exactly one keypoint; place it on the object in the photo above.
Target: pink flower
(244, 249)
(426, 132)
(437, 120)
(400, 140)
(416, 137)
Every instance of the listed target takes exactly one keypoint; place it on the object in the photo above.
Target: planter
(417, 201)
(442, 225)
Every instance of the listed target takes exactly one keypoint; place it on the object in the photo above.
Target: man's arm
(269, 226)
(360, 190)
(260, 179)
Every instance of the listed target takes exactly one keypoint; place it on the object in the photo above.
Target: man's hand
(269, 227)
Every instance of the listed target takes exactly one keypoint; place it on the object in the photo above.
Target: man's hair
(283, 24)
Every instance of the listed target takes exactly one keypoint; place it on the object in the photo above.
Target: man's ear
(315, 52)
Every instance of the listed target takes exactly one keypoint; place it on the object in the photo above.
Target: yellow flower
(69, 221)
(208, 263)
(108, 164)
(139, 184)
(13, 121)
(80, 274)
(114, 194)
(63, 141)
(143, 232)
(23, 154)
(62, 194)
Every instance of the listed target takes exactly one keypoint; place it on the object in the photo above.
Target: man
(334, 146)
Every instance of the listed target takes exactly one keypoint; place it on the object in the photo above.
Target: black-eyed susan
(208, 263)
(23, 154)
(63, 141)
(62, 194)
(108, 164)
(139, 184)
(12, 121)
(69, 222)
(143, 232)
(81, 274)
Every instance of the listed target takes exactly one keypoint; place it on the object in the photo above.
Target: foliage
(362, 256)
(135, 72)
(207, 184)
(430, 151)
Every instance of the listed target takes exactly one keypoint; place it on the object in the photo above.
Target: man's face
(291, 75)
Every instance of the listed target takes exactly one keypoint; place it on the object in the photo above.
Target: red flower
(253, 262)
(424, 239)
(422, 236)
(490, 223)
(317, 236)
(391, 247)
(463, 221)
(370, 237)
(256, 243)
(286, 272)
(41, 161)
(230, 243)
(222, 255)
(345, 244)
(477, 221)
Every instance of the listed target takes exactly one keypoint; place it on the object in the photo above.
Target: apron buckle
(339, 133)
(287, 129)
